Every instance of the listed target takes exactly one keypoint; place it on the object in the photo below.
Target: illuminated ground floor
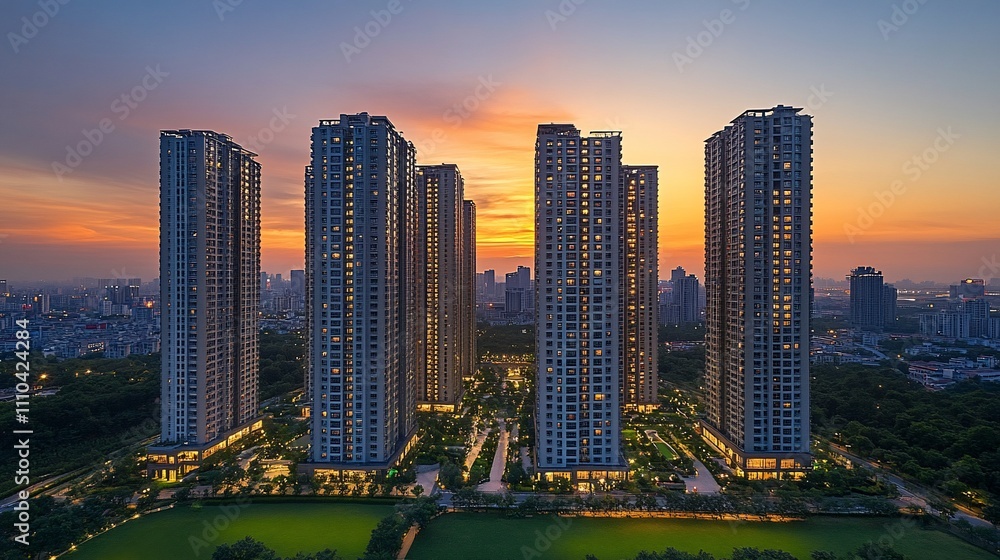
(436, 407)
(171, 463)
(353, 472)
(587, 478)
(755, 465)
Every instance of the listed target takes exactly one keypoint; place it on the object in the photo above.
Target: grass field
(666, 451)
(489, 537)
(288, 528)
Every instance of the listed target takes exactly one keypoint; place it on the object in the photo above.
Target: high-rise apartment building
(758, 271)
(209, 293)
(518, 293)
(585, 202)
(298, 279)
(365, 312)
(873, 303)
(441, 189)
(121, 291)
(470, 356)
(639, 273)
(683, 305)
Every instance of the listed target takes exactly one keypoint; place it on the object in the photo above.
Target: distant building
(121, 291)
(873, 303)
(298, 282)
(969, 318)
(968, 288)
(518, 296)
(683, 305)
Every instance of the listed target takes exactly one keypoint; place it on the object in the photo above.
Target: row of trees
(717, 505)
(868, 551)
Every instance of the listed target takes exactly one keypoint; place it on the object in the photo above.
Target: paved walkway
(495, 484)
(427, 478)
(703, 482)
(476, 448)
(408, 539)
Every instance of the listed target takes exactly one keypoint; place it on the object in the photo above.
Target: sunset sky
(886, 82)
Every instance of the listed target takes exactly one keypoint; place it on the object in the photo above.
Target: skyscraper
(298, 278)
(517, 291)
(684, 307)
(758, 271)
(489, 284)
(578, 200)
(365, 293)
(873, 303)
(441, 188)
(209, 289)
(637, 249)
(470, 357)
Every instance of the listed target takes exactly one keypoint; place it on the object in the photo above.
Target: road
(910, 493)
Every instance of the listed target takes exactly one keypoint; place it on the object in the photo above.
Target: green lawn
(666, 451)
(288, 528)
(464, 536)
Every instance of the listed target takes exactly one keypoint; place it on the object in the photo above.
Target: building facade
(639, 273)
(684, 305)
(873, 303)
(209, 293)
(578, 199)
(365, 294)
(518, 293)
(441, 189)
(758, 272)
(470, 353)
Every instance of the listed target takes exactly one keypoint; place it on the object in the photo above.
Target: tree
(872, 551)
(756, 554)
(417, 491)
(991, 512)
(246, 549)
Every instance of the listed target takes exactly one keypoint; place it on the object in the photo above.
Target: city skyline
(94, 213)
